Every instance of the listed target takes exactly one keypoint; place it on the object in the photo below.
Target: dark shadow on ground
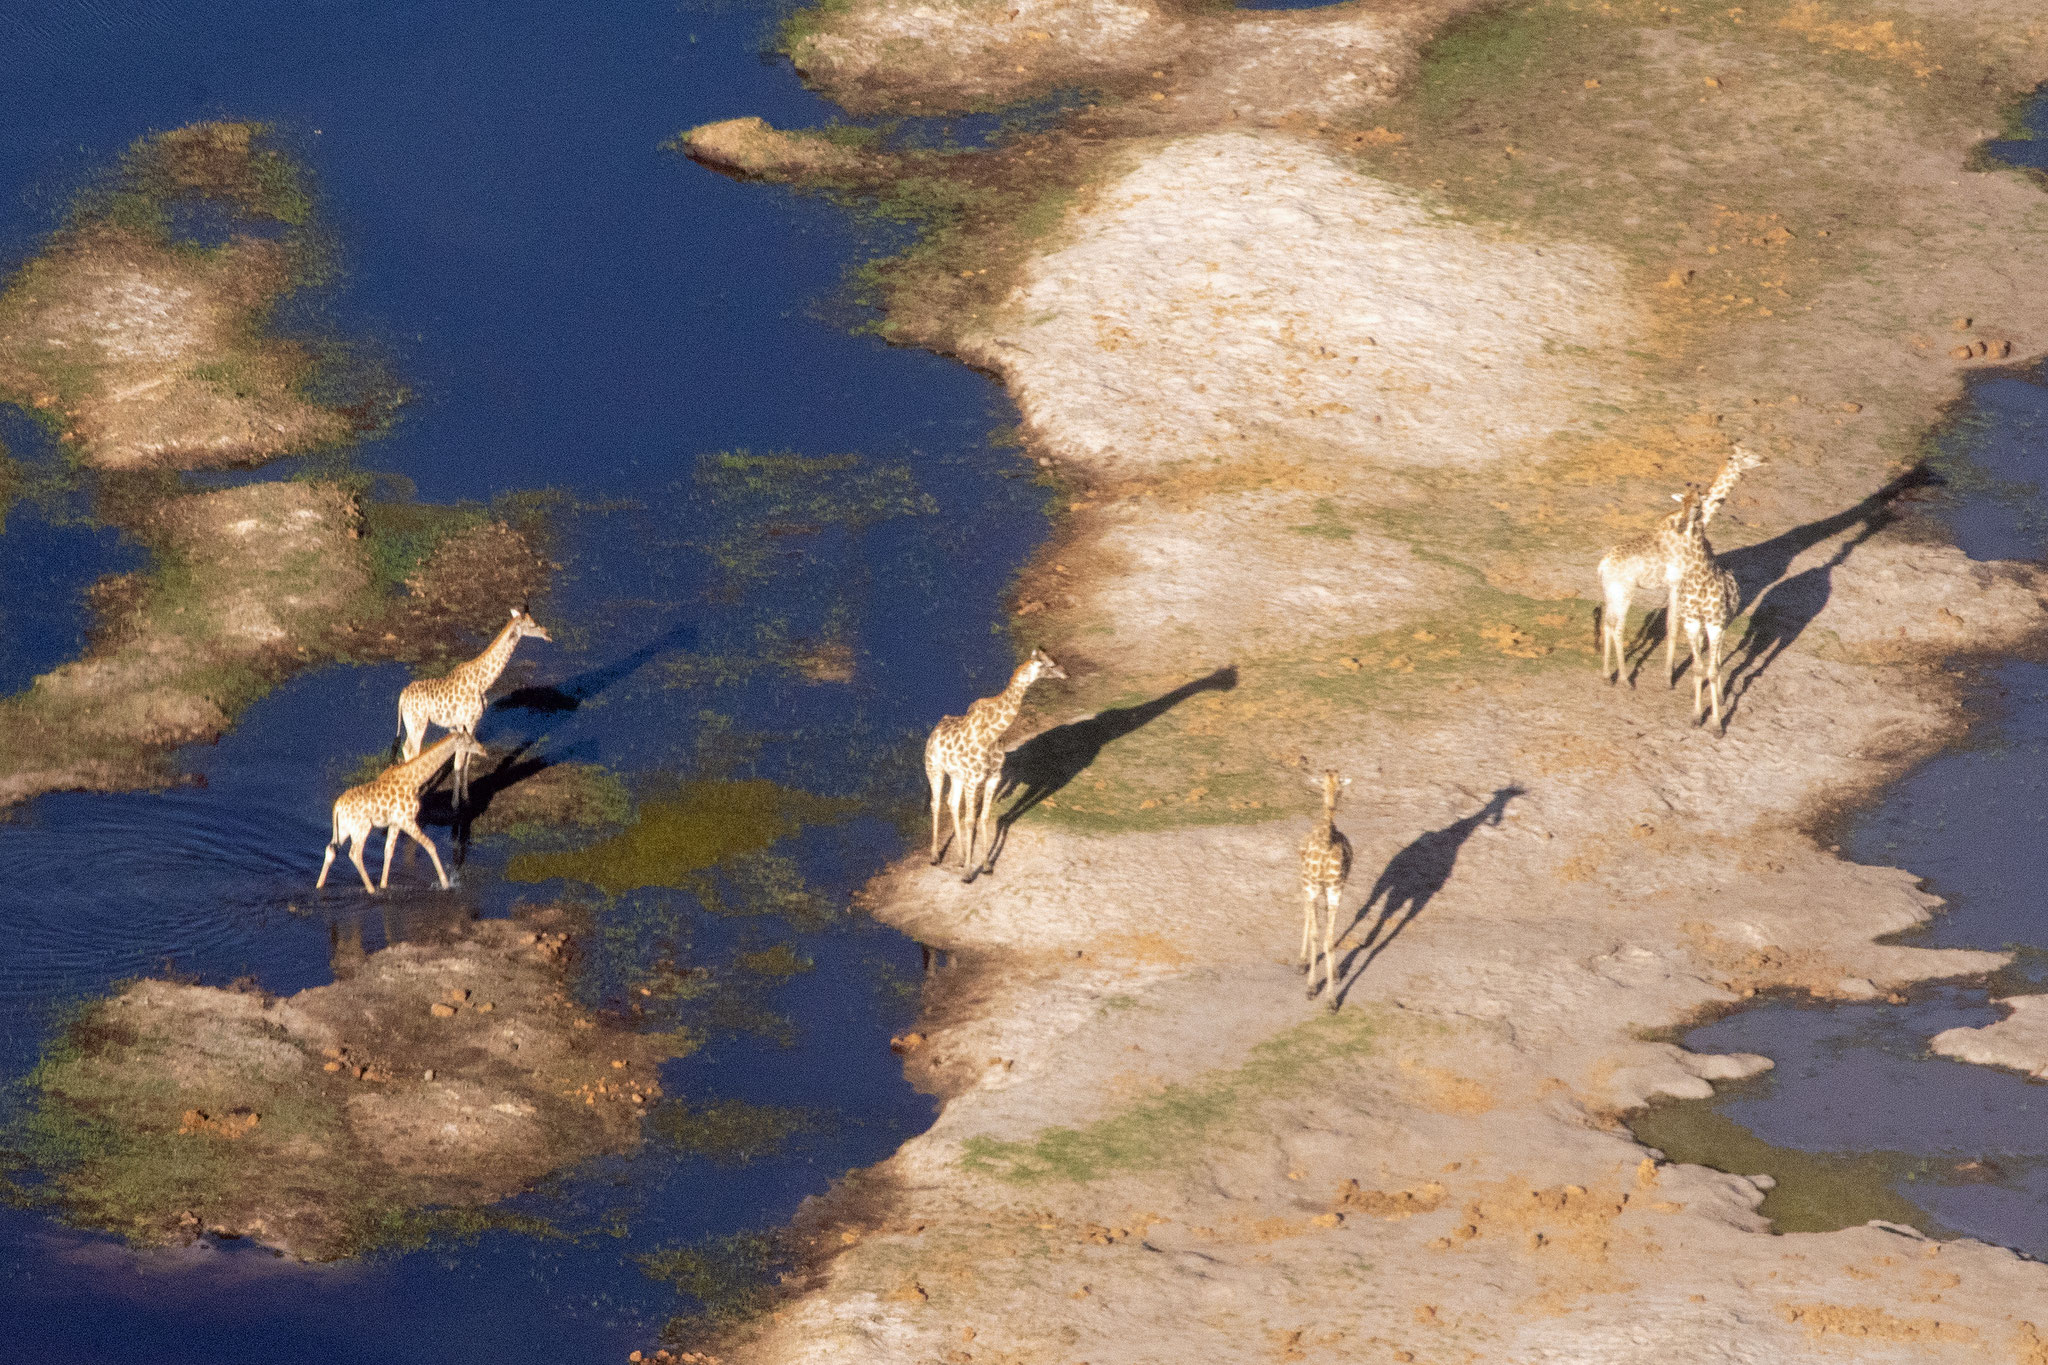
(438, 805)
(1050, 760)
(1782, 608)
(567, 696)
(1410, 882)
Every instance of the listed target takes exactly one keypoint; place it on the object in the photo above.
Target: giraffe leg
(1671, 638)
(988, 817)
(325, 863)
(955, 798)
(1714, 673)
(417, 837)
(356, 844)
(1308, 940)
(415, 728)
(1336, 894)
(1692, 646)
(937, 777)
(1613, 624)
(390, 847)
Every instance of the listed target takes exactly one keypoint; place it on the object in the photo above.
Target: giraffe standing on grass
(1656, 559)
(455, 701)
(392, 801)
(1708, 598)
(1325, 867)
(967, 751)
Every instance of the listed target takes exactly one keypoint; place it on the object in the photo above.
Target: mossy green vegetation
(1186, 1120)
(779, 962)
(676, 838)
(731, 1132)
(731, 1278)
(1816, 1191)
(769, 504)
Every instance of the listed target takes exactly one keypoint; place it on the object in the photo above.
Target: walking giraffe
(1325, 867)
(967, 750)
(1656, 559)
(1708, 598)
(392, 800)
(455, 701)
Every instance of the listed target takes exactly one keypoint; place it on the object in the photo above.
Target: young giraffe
(1708, 598)
(1325, 867)
(1655, 559)
(392, 800)
(968, 750)
(455, 701)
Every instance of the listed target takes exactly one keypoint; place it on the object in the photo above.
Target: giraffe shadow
(1780, 608)
(1049, 760)
(438, 805)
(570, 694)
(1410, 881)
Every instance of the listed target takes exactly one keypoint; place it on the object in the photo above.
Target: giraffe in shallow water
(455, 700)
(967, 751)
(392, 800)
(1325, 867)
(1656, 559)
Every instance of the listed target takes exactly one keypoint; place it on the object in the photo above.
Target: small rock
(427, 1075)
(1959, 353)
(457, 994)
(2002, 349)
(1713, 83)
(485, 1008)
(906, 1042)
(1961, 324)
(1982, 348)
(332, 1066)
(441, 1011)
(1852, 407)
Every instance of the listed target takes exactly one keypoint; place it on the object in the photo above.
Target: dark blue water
(1969, 1144)
(573, 309)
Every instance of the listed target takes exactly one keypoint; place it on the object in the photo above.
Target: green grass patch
(731, 1278)
(731, 1132)
(1186, 1121)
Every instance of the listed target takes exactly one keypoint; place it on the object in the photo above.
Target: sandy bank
(1348, 386)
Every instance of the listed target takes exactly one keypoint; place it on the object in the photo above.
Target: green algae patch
(1816, 1191)
(779, 962)
(562, 799)
(144, 349)
(731, 1132)
(731, 1278)
(771, 503)
(449, 1072)
(1185, 1121)
(706, 824)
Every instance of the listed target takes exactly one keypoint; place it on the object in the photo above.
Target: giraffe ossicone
(966, 752)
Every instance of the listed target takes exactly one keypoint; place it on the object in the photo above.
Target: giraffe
(455, 701)
(1708, 598)
(1325, 867)
(968, 750)
(1656, 559)
(392, 800)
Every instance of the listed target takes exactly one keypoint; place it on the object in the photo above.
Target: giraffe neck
(1004, 706)
(417, 771)
(1724, 484)
(485, 667)
(1329, 819)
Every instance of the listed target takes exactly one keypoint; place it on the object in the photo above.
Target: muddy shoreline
(1282, 337)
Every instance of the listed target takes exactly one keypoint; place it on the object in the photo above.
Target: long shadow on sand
(1410, 882)
(1051, 759)
(1785, 607)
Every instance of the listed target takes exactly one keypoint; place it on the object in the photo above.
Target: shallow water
(577, 310)
(1964, 1147)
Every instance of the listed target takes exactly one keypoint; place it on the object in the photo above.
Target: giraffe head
(524, 625)
(1743, 458)
(1041, 665)
(1331, 784)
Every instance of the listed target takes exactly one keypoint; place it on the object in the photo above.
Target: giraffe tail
(398, 740)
